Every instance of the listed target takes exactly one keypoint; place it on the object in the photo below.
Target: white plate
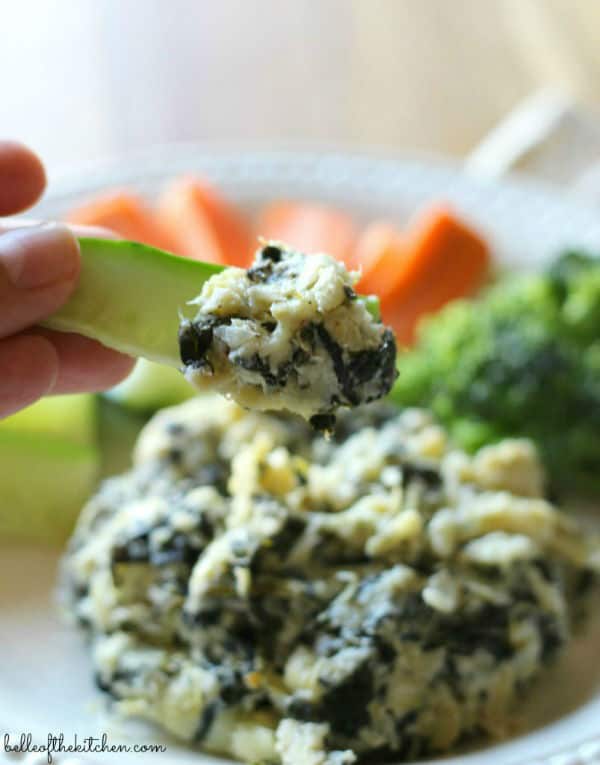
(45, 683)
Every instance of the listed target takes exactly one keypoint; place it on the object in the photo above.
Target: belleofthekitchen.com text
(24, 743)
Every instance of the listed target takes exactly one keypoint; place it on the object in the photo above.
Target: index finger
(22, 178)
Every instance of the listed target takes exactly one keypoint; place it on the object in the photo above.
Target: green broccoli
(523, 360)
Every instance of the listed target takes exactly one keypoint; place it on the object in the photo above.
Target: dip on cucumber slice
(288, 333)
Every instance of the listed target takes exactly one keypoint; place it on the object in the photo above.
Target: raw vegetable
(49, 464)
(309, 227)
(118, 430)
(71, 417)
(522, 360)
(151, 386)
(127, 215)
(45, 481)
(379, 253)
(129, 298)
(203, 225)
(436, 260)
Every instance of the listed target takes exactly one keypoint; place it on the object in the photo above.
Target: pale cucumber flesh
(131, 298)
(151, 386)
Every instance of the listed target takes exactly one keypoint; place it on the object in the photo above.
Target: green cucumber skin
(131, 297)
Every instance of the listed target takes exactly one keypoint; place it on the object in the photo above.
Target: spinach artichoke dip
(280, 597)
(288, 333)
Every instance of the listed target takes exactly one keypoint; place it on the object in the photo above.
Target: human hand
(39, 268)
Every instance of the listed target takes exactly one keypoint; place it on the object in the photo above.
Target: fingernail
(39, 256)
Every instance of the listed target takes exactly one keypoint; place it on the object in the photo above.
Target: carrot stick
(310, 228)
(379, 252)
(126, 215)
(203, 225)
(443, 260)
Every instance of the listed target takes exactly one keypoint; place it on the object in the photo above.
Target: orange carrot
(437, 259)
(378, 254)
(203, 225)
(126, 215)
(444, 260)
(310, 227)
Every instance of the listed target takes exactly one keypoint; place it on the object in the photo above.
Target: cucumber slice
(130, 297)
(45, 482)
(49, 463)
(73, 418)
(119, 429)
(150, 387)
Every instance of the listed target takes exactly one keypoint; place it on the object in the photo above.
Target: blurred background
(82, 79)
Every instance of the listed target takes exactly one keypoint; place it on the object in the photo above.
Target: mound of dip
(283, 598)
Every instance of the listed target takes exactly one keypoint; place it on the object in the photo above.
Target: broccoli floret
(523, 360)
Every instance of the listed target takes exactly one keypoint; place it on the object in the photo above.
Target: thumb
(39, 267)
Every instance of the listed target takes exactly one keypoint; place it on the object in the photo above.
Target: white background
(81, 79)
